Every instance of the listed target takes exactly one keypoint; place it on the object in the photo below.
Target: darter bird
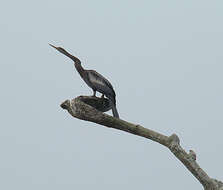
(94, 80)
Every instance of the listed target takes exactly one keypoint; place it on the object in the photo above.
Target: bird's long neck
(79, 68)
(77, 62)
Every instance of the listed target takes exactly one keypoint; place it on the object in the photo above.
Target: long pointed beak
(53, 46)
(63, 51)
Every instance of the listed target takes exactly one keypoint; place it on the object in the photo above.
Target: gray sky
(165, 61)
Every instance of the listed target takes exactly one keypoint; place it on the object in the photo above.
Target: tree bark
(90, 109)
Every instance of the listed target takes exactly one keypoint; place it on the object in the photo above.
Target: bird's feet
(102, 96)
(94, 94)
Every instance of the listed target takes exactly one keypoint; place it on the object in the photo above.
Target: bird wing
(98, 78)
(100, 83)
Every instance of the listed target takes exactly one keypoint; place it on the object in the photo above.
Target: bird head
(63, 51)
(60, 49)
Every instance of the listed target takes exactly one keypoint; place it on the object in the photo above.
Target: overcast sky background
(165, 61)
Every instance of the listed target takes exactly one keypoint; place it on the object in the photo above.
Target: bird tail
(115, 111)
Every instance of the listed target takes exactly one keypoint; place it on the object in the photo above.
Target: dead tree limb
(87, 108)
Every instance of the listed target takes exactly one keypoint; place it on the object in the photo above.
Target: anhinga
(94, 80)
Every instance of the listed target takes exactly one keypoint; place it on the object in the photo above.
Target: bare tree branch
(87, 108)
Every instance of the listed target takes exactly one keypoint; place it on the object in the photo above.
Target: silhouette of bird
(94, 80)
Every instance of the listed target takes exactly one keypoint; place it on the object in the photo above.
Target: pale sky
(165, 61)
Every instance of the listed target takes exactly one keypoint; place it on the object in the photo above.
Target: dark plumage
(94, 80)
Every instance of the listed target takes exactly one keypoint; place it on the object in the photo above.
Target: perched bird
(94, 80)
